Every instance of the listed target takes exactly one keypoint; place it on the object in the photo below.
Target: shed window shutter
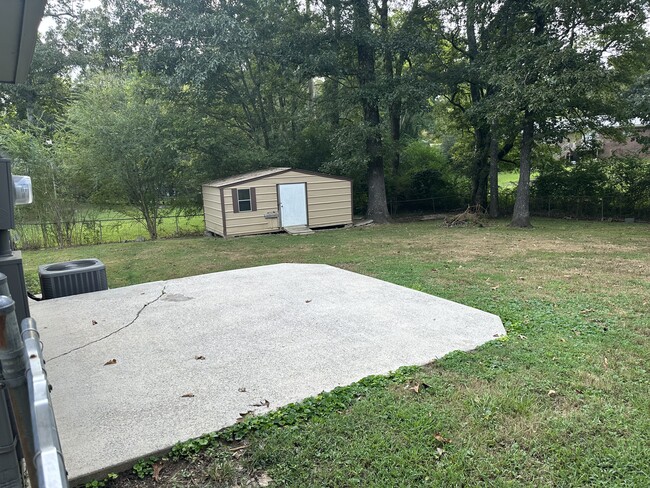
(253, 200)
(235, 201)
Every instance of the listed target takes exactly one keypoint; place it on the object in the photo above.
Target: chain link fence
(91, 231)
(422, 206)
(582, 207)
(579, 207)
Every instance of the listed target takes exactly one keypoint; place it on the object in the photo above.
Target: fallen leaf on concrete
(94, 322)
(263, 479)
(263, 403)
(110, 361)
(157, 468)
(199, 358)
(243, 415)
(307, 301)
(241, 390)
(188, 395)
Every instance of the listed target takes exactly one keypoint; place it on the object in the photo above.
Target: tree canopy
(140, 101)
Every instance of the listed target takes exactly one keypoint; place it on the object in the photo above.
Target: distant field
(509, 179)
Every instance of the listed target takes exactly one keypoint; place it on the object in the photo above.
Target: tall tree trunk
(480, 166)
(377, 205)
(521, 214)
(394, 112)
(494, 173)
(394, 106)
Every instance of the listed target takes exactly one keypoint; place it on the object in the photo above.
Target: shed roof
(256, 175)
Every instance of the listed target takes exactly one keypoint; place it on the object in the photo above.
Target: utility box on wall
(6, 196)
(11, 262)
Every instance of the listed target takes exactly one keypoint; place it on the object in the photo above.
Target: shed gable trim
(280, 172)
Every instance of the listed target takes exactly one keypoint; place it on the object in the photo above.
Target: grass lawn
(564, 400)
(510, 179)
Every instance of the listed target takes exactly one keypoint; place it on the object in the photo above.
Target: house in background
(632, 146)
(276, 199)
(636, 144)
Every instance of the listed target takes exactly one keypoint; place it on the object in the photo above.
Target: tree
(119, 135)
(556, 76)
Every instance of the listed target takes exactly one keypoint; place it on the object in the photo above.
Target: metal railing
(29, 412)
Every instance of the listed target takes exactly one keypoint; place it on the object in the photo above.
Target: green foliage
(130, 154)
(426, 173)
(144, 468)
(624, 180)
(103, 482)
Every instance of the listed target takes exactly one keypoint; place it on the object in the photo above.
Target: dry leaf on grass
(110, 362)
(157, 468)
(263, 479)
(605, 363)
(495, 287)
(418, 386)
(552, 393)
(442, 439)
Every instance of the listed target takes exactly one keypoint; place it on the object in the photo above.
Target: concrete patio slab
(279, 333)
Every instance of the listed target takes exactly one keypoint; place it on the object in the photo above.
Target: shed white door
(293, 204)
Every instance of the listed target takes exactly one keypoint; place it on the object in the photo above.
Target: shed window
(244, 200)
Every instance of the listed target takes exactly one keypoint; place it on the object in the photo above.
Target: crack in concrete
(137, 316)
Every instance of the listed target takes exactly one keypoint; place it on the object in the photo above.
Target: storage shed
(274, 199)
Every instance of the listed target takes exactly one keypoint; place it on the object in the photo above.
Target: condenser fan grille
(72, 278)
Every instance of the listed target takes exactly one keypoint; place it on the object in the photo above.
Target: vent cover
(72, 278)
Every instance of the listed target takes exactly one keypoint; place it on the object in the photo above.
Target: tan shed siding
(212, 210)
(242, 223)
(329, 200)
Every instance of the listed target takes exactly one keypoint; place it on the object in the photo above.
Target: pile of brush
(472, 217)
